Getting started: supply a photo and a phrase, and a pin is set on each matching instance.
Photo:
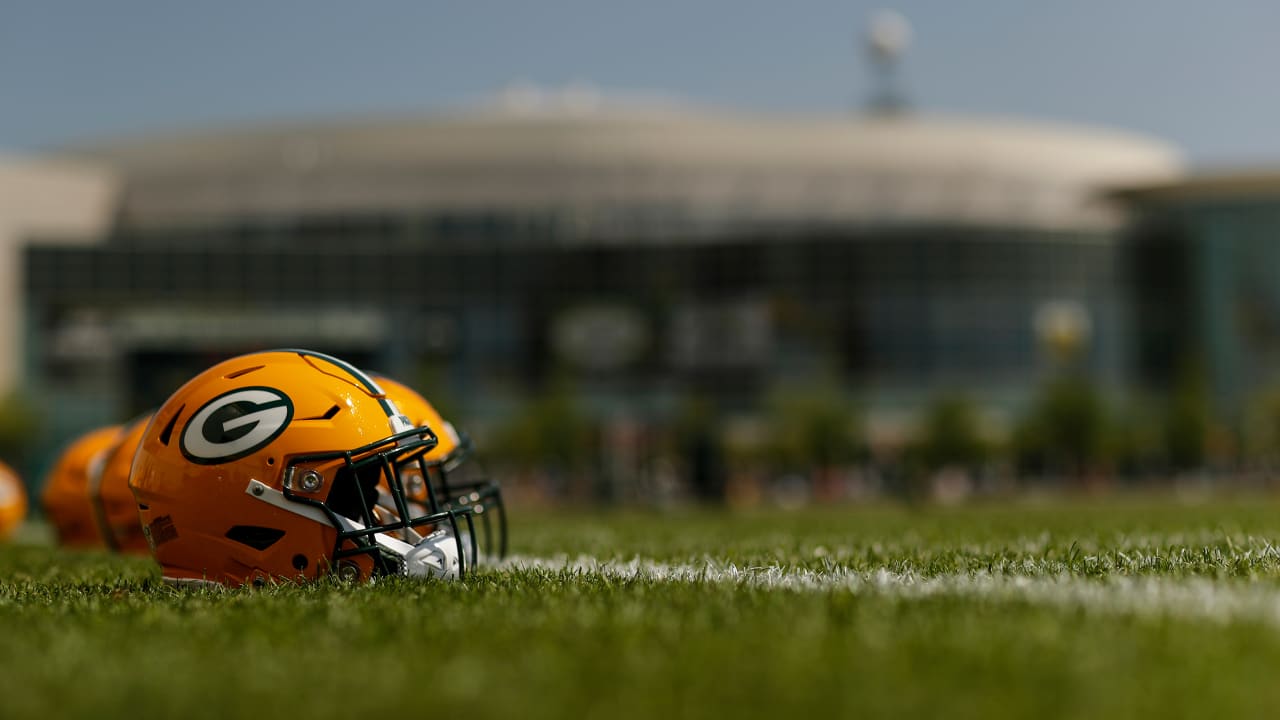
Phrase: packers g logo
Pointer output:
(235, 424)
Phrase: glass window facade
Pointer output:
(908, 308)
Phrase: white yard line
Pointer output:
(1197, 598)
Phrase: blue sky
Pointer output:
(1198, 74)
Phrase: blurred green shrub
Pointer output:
(1262, 429)
(1065, 431)
(547, 430)
(1187, 422)
(21, 425)
(951, 435)
(814, 425)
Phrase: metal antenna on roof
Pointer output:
(887, 38)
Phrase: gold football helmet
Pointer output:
(13, 502)
(114, 509)
(442, 479)
(268, 466)
(66, 489)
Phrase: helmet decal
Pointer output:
(235, 424)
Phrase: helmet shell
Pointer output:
(65, 496)
(116, 512)
(235, 430)
(13, 502)
(421, 412)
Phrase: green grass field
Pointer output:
(1125, 608)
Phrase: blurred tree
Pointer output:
(550, 434)
(1134, 440)
(814, 425)
(815, 431)
(951, 434)
(1262, 430)
(21, 422)
(1187, 421)
(432, 380)
(1065, 431)
(701, 449)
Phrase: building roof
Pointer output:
(590, 162)
(1207, 186)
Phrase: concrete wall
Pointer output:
(43, 200)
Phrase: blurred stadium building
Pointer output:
(1206, 284)
(640, 251)
(42, 199)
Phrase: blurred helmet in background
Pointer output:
(114, 508)
(65, 496)
(442, 479)
(267, 467)
(13, 502)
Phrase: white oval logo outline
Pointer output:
(276, 410)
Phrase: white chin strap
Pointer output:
(436, 555)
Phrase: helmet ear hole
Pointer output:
(355, 492)
(300, 562)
